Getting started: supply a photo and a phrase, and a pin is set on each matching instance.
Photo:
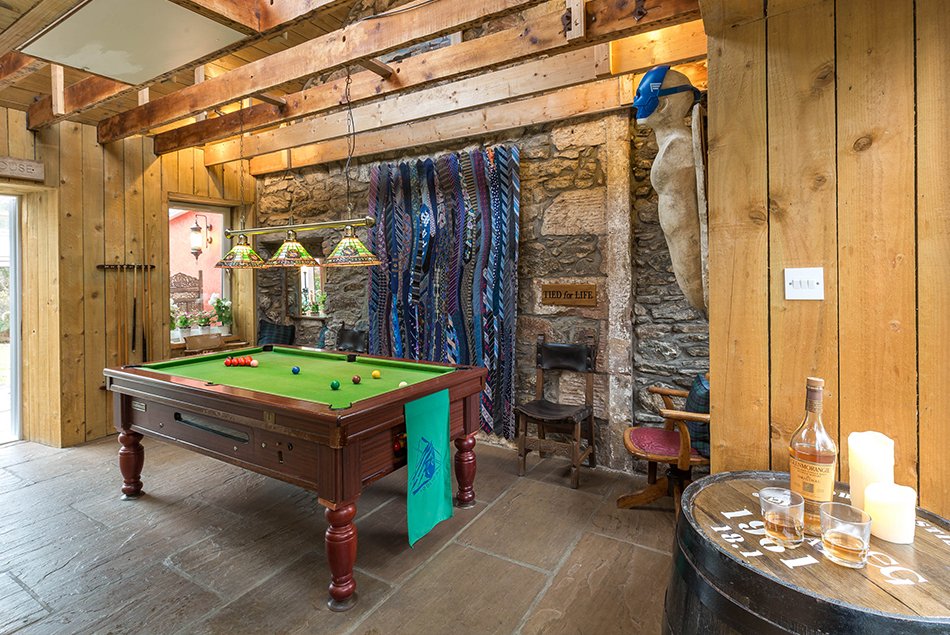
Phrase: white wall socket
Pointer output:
(805, 283)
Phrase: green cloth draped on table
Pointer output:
(430, 480)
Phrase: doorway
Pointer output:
(10, 428)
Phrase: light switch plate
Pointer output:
(805, 283)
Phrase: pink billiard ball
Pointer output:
(254, 363)
(356, 379)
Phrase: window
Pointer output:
(312, 296)
(195, 244)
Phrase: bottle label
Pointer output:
(814, 481)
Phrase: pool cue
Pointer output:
(135, 301)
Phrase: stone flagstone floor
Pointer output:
(213, 548)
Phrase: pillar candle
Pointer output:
(870, 460)
(893, 512)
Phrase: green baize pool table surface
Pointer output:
(317, 369)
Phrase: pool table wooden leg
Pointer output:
(465, 471)
(341, 556)
(131, 460)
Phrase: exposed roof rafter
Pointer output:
(466, 57)
(360, 41)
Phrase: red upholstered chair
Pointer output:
(572, 419)
(670, 445)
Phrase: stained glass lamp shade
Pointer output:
(292, 254)
(241, 256)
(351, 252)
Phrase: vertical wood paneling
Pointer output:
(801, 51)
(216, 181)
(4, 148)
(71, 294)
(156, 221)
(94, 292)
(876, 160)
(201, 172)
(738, 243)
(134, 223)
(32, 411)
(186, 171)
(113, 157)
(933, 251)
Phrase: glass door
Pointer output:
(9, 321)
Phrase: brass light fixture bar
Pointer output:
(368, 221)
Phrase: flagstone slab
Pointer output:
(557, 471)
(614, 582)
(17, 606)
(528, 514)
(650, 525)
(449, 595)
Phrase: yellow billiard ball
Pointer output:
(376, 374)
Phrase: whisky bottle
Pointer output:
(812, 458)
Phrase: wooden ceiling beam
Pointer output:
(33, 21)
(241, 15)
(383, 70)
(282, 13)
(14, 67)
(517, 82)
(354, 43)
(598, 97)
(540, 35)
(79, 97)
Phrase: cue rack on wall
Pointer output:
(127, 334)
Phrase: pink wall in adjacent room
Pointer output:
(182, 261)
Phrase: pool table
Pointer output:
(294, 427)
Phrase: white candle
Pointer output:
(893, 512)
(870, 460)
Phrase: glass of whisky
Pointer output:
(784, 514)
(845, 534)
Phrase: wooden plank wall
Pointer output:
(855, 180)
(98, 206)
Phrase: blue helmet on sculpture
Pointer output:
(651, 89)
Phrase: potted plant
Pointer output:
(184, 323)
(203, 320)
(175, 332)
(320, 302)
(222, 312)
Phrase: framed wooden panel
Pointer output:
(738, 249)
(877, 281)
(802, 216)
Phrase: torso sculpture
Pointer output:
(674, 175)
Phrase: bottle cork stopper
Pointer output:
(815, 382)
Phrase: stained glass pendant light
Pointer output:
(292, 254)
(350, 252)
(241, 256)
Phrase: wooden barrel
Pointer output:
(728, 577)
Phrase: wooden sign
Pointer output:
(22, 169)
(569, 294)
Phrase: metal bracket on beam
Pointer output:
(574, 20)
(377, 67)
(639, 12)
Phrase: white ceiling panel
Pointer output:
(131, 41)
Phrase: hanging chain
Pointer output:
(241, 167)
(350, 141)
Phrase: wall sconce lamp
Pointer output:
(200, 236)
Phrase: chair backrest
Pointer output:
(580, 358)
(352, 339)
(270, 333)
(185, 291)
(206, 342)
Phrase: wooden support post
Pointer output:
(143, 96)
(602, 60)
(200, 77)
(377, 67)
(455, 38)
(59, 89)
(578, 19)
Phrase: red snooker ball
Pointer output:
(227, 362)
(356, 379)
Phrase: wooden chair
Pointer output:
(556, 417)
(196, 344)
(670, 445)
(351, 340)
